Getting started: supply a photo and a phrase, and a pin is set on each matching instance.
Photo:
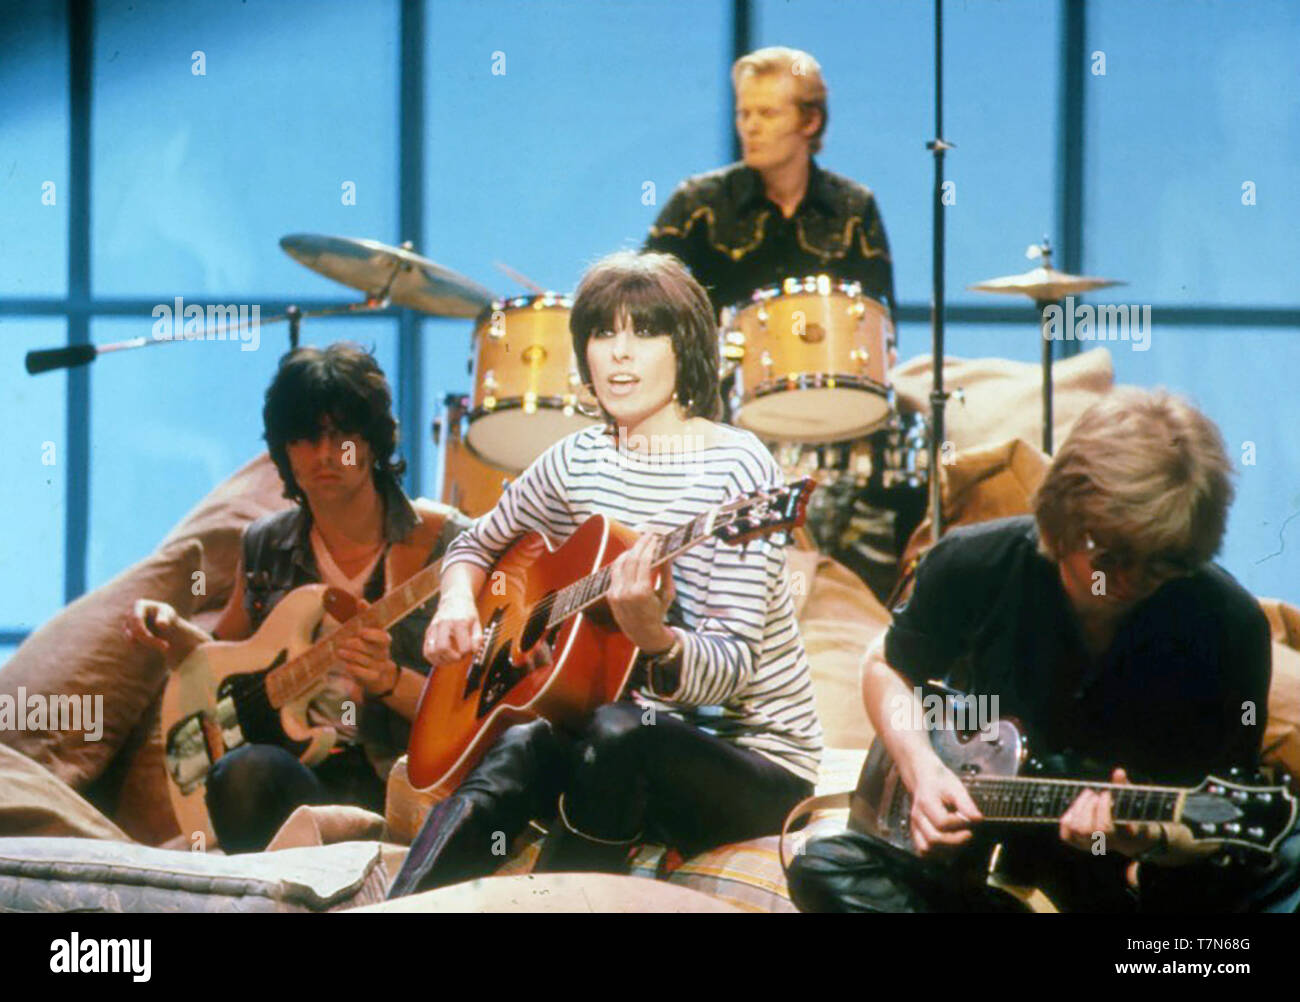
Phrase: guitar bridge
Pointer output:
(478, 666)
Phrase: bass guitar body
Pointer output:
(216, 700)
(524, 668)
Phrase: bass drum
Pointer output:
(468, 483)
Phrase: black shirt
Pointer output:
(735, 240)
(1166, 701)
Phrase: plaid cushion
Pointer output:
(745, 874)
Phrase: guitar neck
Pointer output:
(591, 589)
(294, 678)
(1024, 799)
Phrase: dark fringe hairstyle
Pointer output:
(656, 293)
(342, 383)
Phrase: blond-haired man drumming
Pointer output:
(777, 214)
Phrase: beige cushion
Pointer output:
(838, 619)
(35, 802)
(82, 650)
(218, 521)
(135, 785)
(1282, 735)
(556, 893)
(1283, 620)
(1003, 399)
(982, 483)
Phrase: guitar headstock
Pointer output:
(761, 512)
(1252, 817)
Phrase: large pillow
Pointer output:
(838, 619)
(82, 651)
(1282, 735)
(1003, 399)
(133, 789)
(34, 802)
(1283, 620)
(982, 484)
(218, 521)
(64, 875)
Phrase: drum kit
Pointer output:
(805, 366)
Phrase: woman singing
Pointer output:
(733, 741)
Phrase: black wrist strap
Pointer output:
(397, 677)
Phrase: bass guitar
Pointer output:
(550, 645)
(229, 693)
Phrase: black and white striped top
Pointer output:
(744, 672)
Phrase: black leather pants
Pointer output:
(851, 872)
(624, 779)
(253, 790)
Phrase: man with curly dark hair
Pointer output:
(332, 435)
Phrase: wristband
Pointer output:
(397, 677)
(664, 664)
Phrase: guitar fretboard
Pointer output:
(582, 593)
(295, 678)
(1045, 800)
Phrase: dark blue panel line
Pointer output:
(76, 518)
(742, 40)
(1072, 62)
(410, 193)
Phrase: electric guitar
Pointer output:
(229, 693)
(1218, 811)
(550, 645)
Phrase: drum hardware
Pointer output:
(523, 280)
(1045, 286)
(69, 357)
(387, 273)
(468, 483)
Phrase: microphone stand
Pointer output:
(938, 396)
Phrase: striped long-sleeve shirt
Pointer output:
(744, 674)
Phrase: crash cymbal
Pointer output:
(1044, 285)
(397, 274)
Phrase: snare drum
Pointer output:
(527, 394)
(812, 361)
(468, 483)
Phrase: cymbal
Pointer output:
(395, 273)
(1044, 285)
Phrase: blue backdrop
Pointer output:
(543, 164)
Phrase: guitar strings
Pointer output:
(249, 692)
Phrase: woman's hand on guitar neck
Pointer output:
(942, 808)
(638, 608)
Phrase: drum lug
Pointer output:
(530, 402)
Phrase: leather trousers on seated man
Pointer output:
(619, 783)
